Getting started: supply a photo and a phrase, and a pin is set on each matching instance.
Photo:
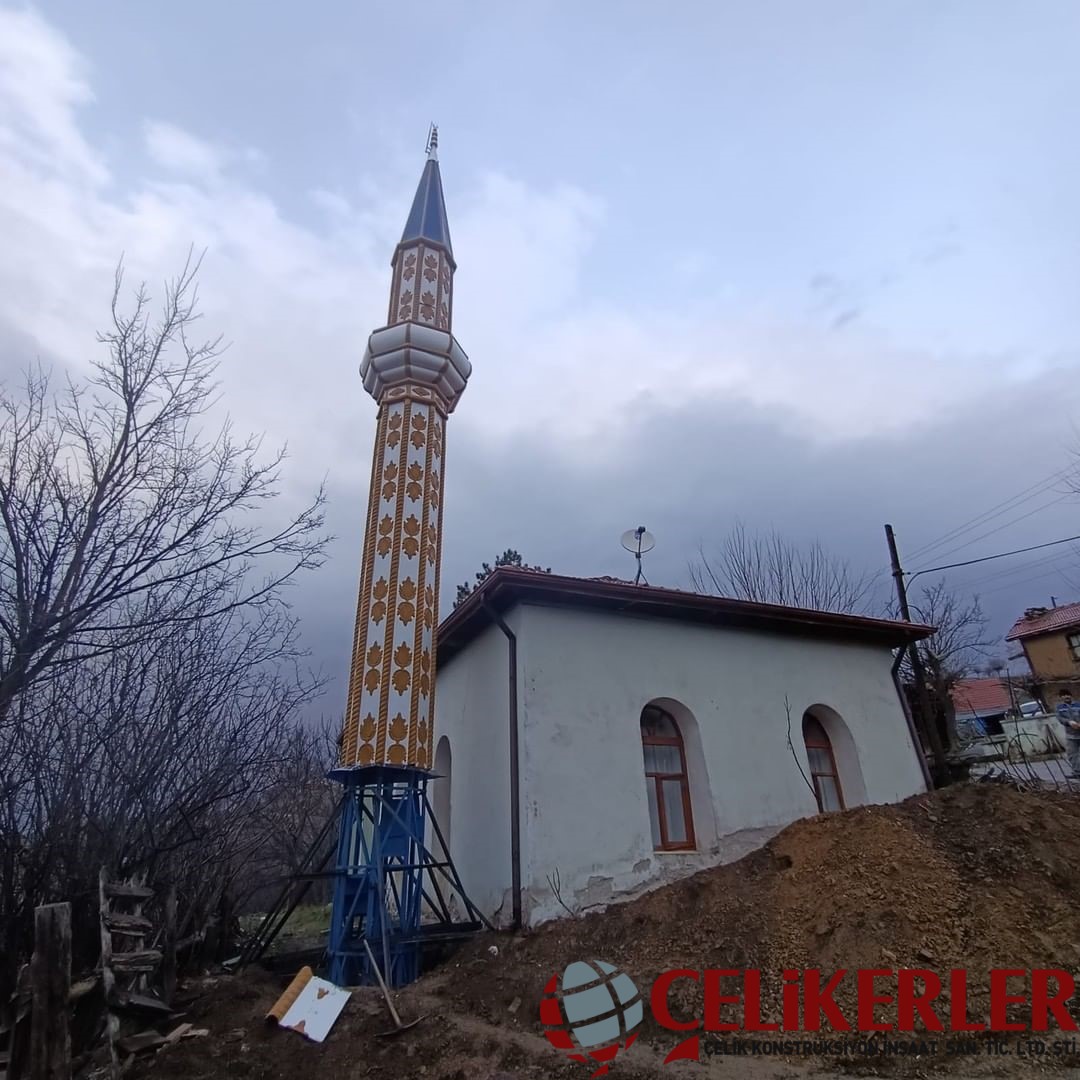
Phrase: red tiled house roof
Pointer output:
(981, 696)
(1059, 618)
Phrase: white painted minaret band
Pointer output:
(416, 372)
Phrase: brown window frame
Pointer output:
(657, 779)
(1073, 641)
(835, 774)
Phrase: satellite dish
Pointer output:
(638, 541)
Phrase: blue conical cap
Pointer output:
(427, 218)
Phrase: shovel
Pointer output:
(399, 1027)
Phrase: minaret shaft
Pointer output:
(390, 707)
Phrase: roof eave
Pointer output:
(506, 586)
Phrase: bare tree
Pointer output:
(151, 679)
(117, 513)
(165, 757)
(768, 568)
(959, 641)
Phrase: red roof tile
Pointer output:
(980, 696)
(1058, 618)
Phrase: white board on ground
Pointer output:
(316, 1009)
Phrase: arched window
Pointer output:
(823, 771)
(665, 777)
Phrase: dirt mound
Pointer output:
(976, 877)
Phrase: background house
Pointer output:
(1050, 638)
(657, 732)
(982, 704)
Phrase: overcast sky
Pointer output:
(813, 265)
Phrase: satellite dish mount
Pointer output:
(638, 541)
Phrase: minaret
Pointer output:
(389, 886)
(416, 372)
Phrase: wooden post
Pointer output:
(108, 982)
(168, 967)
(50, 1037)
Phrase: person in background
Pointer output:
(1068, 712)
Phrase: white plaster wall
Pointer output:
(471, 708)
(584, 678)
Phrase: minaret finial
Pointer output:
(433, 143)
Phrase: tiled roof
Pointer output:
(981, 696)
(1058, 618)
(509, 585)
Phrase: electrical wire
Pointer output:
(1031, 492)
(989, 558)
(999, 528)
(1059, 558)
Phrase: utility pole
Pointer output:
(929, 721)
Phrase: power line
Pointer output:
(999, 528)
(988, 558)
(1058, 558)
(1025, 495)
(1054, 571)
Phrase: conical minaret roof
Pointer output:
(427, 218)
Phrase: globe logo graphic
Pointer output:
(590, 1011)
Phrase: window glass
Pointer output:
(663, 759)
(673, 811)
(656, 724)
(654, 816)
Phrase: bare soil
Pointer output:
(976, 877)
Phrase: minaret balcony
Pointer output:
(407, 353)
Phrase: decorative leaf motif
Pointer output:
(372, 680)
(391, 471)
(367, 728)
(374, 655)
(407, 590)
(418, 438)
(403, 655)
(367, 754)
(378, 612)
(386, 526)
(425, 660)
(401, 680)
(380, 589)
(425, 684)
(410, 547)
(427, 306)
(383, 546)
(419, 420)
(396, 754)
(398, 728)
(405, 612)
